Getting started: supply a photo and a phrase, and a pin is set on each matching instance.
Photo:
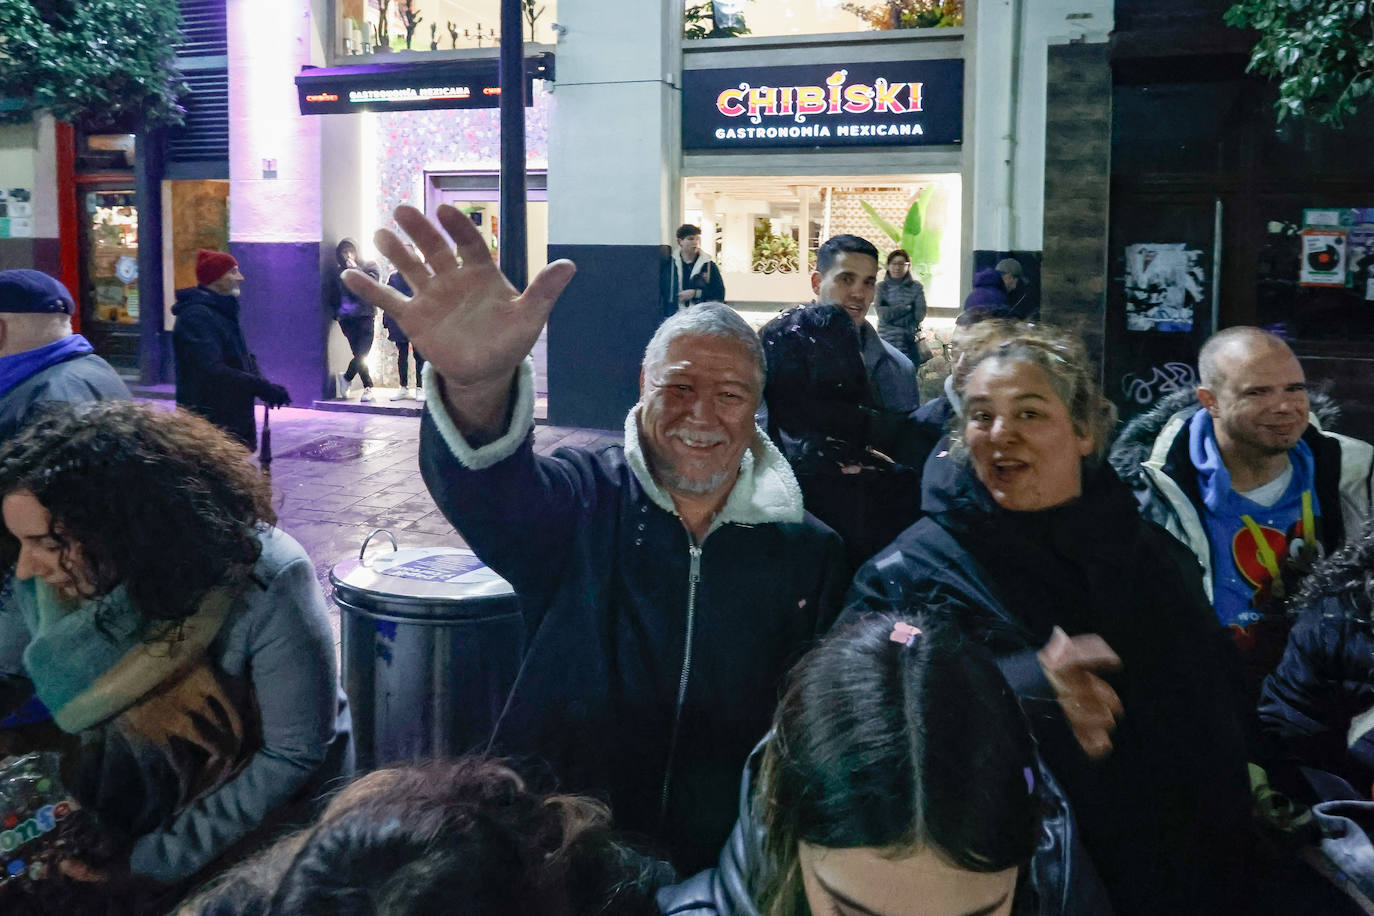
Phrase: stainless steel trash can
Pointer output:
(432, 641)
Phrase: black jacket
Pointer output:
(216, 375)
(1059, 881)
(1315, 708)
(1164, 816)
(653, 666)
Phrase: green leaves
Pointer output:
(1320, 51)
(920, 240)
(91, 60)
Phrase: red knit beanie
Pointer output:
(211, 265)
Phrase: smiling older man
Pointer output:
(667, 585)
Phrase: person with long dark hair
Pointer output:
(1097, 617)
(465, 837)
(164, 621)
(899, 778)
(357, 320)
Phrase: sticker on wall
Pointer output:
(1164, 284)
(126, 269)
(1323, 257)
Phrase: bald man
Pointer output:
(1245, 475)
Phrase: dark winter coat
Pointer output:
(216, 375)
(901, 307)
(348, 307)
(84, 377)
(1059, 881)
(1317, 708)
(653, 664)
(1151, 454)
(1164, 816)
(824, 406)
(989, 295)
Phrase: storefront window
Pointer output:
(737, 18)
(380, 26)
(112, 255)
(764, 231)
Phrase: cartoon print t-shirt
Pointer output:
(1263, 541)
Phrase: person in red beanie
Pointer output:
(217, 377)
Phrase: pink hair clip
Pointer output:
(904, 633)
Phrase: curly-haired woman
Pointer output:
(164, 621)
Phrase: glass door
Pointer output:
(110, 305)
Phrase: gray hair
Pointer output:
(709, 319)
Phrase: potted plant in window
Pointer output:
(383, 30)
(411, 19)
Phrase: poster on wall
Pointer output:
(1323, 257)
(1164, 285)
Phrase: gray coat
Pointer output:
(78, 380)
(901, 306)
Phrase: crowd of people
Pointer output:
(800, 646)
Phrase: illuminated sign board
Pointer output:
(894, 103)
(471, 83)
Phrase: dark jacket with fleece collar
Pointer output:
(1165, 814)
(653, 664)
(216, 375)
(1059, 881)
(1151, 454)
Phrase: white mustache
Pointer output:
(698, 439)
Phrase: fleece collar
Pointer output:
(703, 258)
(765, 492)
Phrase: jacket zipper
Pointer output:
(694, 552)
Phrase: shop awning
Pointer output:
(412, 85)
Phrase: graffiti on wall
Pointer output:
(1163, 381)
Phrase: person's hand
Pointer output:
(472, 325)
(275, 395)
(687, 295)
(1089, 703)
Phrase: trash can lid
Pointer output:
(418, 575)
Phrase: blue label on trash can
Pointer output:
(440, 568)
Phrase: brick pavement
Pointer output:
(338, 476)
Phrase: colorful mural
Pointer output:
(411, 143)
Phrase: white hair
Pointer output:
(710, 319)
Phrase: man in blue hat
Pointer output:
(41, 360)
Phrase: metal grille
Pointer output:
(205, 135)
(203, 23)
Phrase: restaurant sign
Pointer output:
(893, 103)
(411, 86)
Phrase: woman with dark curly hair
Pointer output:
(1318, 706)
(465, 837)
(163, 620)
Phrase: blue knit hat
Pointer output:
(34, 292)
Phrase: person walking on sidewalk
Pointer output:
(217, 377)
(397, 281)
(357, 319)
(667, 584)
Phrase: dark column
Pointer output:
(514, 258)
(148, 185)
(1078, 138)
